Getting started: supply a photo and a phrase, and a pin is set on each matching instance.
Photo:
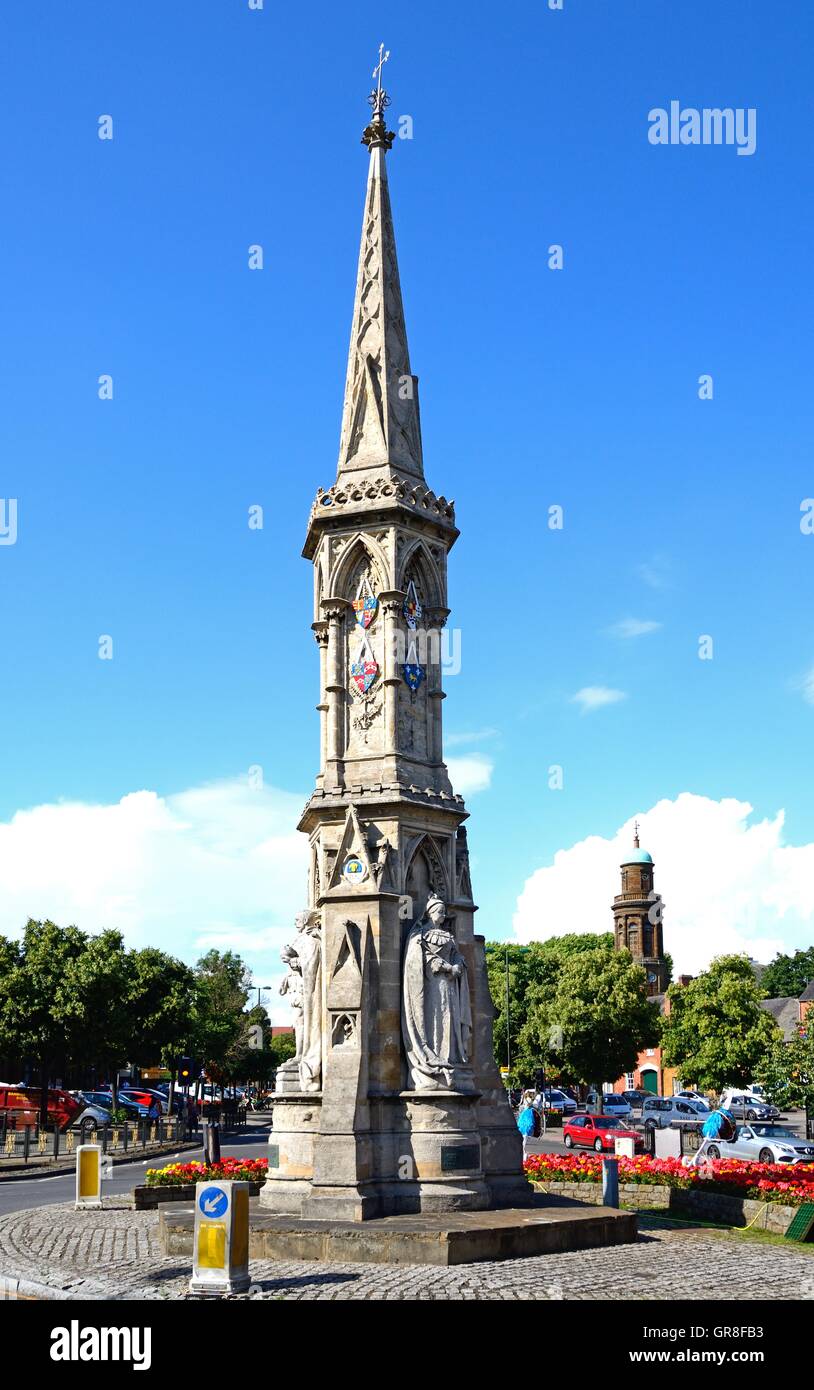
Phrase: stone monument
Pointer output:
(394, 1103)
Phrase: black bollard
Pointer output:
(212, 1143)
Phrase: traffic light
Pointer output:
(185, 1069)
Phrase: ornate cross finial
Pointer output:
(635, 834)
(377, 71)
(377, 134)
(378, 97)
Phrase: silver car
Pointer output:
(746, 1107)
(660, 1112)
(764, 1143)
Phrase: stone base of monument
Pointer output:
(451, 1238)
(420, 1153)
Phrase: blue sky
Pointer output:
(576, 387)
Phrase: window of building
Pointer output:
(630, 1081)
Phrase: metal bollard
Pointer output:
(610, 1182)
(212, 1143)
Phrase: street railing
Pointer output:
(31, 1142)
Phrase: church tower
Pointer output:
(394, 1122)
(637, 917)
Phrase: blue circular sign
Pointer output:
(213, 1201)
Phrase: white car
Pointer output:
(559, 1102)
(764, 1143)
(693, 1095)
(616, 1105)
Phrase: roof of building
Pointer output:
(785, 1013)
(808, 992)
(638, 856)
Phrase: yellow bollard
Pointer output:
(88, 1176)
(220, 1251)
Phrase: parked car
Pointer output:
(693, 1095)
(658, 1112)
(744, 1106)
(608, 1103)
(104, 1099)
(559, 1102)
(636, 1099)
(597, 1132)
(618, 1105)
(764, 1143)
(145, 1097)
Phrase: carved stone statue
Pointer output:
(303, 986)
(436, 1013)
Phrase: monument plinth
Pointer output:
(393, 1104)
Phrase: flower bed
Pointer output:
(228, 1170)
(790, 1184)
(176, 1182)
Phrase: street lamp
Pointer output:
(261, 989)
(522, 950)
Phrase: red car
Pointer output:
(598, 1132)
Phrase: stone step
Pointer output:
(448, 1239)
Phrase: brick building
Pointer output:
(638, 927)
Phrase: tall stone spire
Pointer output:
(380, 419)
(388, 853)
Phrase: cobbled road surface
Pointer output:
(115, 1253)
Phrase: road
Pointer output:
(20, 1194)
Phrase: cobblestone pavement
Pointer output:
(115, 1253)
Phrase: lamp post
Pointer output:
(261, 989)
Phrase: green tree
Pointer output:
(36, 1006)
(590, 1019)
(93, 1004)
(281, 1048)
(528, 966)
(787, 1072)
(787, 976)
(222, 984)
(716, 1032)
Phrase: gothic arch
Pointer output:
(417, 563)
(426, 873)
(361, 551)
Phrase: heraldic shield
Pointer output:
(365, 605)
(413, 672)
(364, 669)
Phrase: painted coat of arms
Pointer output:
(365, 605)
(413, 672)
(412, 607)
(364, 669)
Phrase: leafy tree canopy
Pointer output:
(787, 1072)
(788, 976)
(716, 1032)
(535, 964)
(590, 1020)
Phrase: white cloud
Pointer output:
(477, 736)
(655, 572)
(592, 697)
(728, 883)
(633, 627)
(806, 685)
(470, 773)
(219, 865)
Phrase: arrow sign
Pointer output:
(213, 1201)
